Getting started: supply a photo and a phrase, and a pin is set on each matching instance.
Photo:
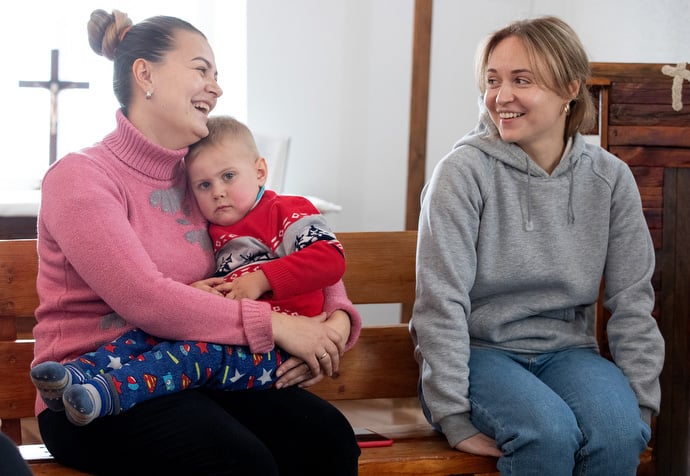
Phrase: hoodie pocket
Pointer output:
(566, 315)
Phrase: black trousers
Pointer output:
(195, 432)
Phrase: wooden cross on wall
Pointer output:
(54, 86)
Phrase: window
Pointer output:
(86, 115)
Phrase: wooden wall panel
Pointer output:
(638, 90)
(673, 438)
(660, 136)
(640, 125)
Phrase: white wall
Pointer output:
(334, 75)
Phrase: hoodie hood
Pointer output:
(486, 138)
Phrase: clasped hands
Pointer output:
(314, 343)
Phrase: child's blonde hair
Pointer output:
(220, 128)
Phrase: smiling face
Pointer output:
(225, 178)
(525, 111)
(184, 91)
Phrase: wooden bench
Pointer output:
(376, 386)
(379, 368)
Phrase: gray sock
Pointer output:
(82, 403)
(51, 379)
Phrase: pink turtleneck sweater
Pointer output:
(119, 240)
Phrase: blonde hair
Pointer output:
(557, 58)
(220, 128)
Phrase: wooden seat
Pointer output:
(376, 383)
(381, 366)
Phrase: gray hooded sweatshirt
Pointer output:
(510, 257)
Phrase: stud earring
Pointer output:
(566, 109)
(149, 94)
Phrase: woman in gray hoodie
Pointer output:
(519, 224)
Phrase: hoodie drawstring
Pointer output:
(571, 210)
(529, 226)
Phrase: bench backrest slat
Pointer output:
(381, 270)
(18, 301)
(17, 393)
(380, 266)
(380, 365)
(18, 268)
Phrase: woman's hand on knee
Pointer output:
(479, 444)
(318, 345)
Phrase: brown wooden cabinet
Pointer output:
(641, 122)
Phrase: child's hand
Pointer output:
(248, 286)
(340, 321)
(210, 285)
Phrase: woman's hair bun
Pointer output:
(107, 30)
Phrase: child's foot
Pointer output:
(82, 403)
(51, 379)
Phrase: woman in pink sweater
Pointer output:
(120, 237)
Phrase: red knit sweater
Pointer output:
(288, 227)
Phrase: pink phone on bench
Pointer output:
(367, 438)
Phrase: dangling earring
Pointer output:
(149, 94)
(566, 109)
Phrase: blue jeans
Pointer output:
(565, 413)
